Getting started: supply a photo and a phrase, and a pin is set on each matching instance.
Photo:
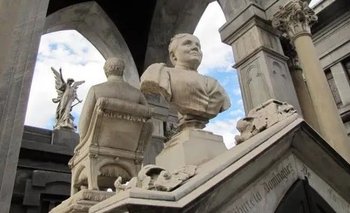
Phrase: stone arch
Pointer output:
(230, 7)
(302, 196)
(90, 20)
(170, 18)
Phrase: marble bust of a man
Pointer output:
(114, 87)
(196, 97)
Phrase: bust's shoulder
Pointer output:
(156, 66)
(154, 73)
(98, 86)
(211, 79)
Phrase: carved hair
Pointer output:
(114, 66)
(174, 43)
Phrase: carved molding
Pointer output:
(294, 19)
(152, 177)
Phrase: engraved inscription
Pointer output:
(278, 178)
(250, 202)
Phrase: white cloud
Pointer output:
(77, 58)
(237, 91)
(216, 55)
(225, 128)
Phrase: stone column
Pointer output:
(307, 107)
(262, 67)
(294, 19)
(342, 83)
(21, 26)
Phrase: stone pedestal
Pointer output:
(82, 201)
(190, 147)
(65, 137)
(273, 172)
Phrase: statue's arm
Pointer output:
(86, 113)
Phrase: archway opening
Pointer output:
(79, 60)
(217, 62)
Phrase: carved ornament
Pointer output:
(263, 117)
(152, 177)
(294, 19)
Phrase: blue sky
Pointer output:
(79, 60)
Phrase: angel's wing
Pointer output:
(59, 84)
(77, 83)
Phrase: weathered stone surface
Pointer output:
(45, 182)
(259, 57)
(115, 127)
(190, 147)
(66, 95)
(43, 177)
(65, 137)
(152, 177)
(252, 177)
(21, 27)
(197, 97)
(262, 118)
(331, 40)
(82, 201)
(295, 19)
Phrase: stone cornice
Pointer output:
(294, 19)
(233, 28)
(262, 48)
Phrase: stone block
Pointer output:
(65, 137)
(190, 147)
(153, 148)
(82, 201)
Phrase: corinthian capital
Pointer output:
(294, 19)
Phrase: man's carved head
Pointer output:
(185, 50)
(114, 66)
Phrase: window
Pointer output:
(333, 88)
(346, 65)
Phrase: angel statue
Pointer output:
(66, 95)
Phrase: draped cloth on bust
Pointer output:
(192, 93)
